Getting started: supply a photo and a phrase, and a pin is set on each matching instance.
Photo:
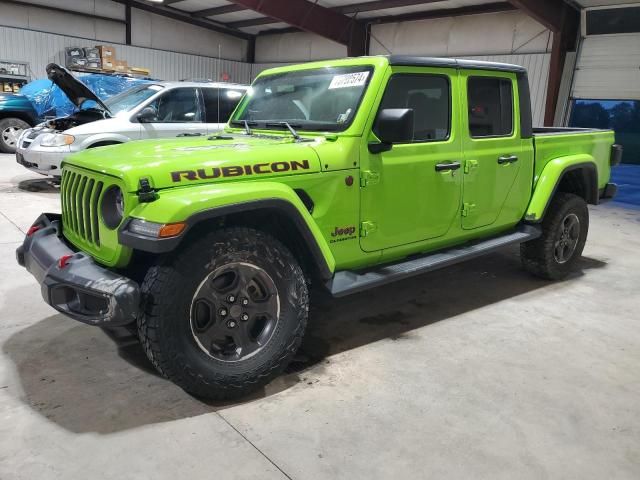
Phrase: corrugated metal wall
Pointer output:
(536, 63)
(40, 48)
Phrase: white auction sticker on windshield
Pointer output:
(347, 80)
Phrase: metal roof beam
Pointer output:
(185, 17)
(550, 13)
(313, 18)
(212, 12)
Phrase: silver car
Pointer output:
(153, 110)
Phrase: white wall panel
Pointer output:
(296, 47)
(39, 49)
(155, 31)
(38, 18)
(609, 68)
(148, 30)
(487, 34)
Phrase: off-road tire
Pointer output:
(538, 255)
(6, 123)
(165, 328)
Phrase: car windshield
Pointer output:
(125, 101)
(318, 99)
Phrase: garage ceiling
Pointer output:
(248, 21)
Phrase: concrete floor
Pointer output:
(477, 371)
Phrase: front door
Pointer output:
(492, 145)
(178, 113)
(412, 192)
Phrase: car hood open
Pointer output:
(73, 88)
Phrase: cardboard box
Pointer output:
(16, 88)
(6, 87)
(107, 52)
(109, 66)
(92, 54)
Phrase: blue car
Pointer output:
(16, 114)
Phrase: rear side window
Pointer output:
(490, 107)
(220, 103)
(429, 96)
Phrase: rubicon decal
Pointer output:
(239, 170)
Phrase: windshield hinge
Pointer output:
(367, 228)
(369, 178)
(146, 194)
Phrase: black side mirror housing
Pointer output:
(147, 115)
(393, 125)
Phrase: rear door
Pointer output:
(492, 144)
(219, 104)
(179, 112)
(412, 192)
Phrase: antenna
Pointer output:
(218, 78)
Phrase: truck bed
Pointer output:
(591, 145)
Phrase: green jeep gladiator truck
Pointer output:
(347, 174)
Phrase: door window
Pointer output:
(490, 107)
(220, 103)
(429, 96)
(179, 105)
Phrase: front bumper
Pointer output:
(43, 160)
(81, 289)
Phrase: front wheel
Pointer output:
(10, 131)
(564, 232)
(225, 315)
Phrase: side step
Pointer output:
(348, 282)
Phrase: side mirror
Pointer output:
(147, 115)
(393, 125)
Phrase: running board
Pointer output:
(348, 282)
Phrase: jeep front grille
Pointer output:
(80, 195)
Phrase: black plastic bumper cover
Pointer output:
(82, 289)
(608, 192)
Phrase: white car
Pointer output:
(153, 110)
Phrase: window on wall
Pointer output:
(430, 98)
(622, 116)
(608, 21)
(490, 107)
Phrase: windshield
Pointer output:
(319, 99)
(125, 101)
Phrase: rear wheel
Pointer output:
(226, 314)
(10, 131)
(564, 232)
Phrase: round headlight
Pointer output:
(112, 207)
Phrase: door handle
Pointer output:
(507, 159)
(443, 167)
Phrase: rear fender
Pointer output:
(196, 204)
(551, 177)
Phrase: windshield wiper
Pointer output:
(247, 128)
(284, 124)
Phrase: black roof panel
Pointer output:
(411, 61)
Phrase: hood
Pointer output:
(73, 88)
(187, 161)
